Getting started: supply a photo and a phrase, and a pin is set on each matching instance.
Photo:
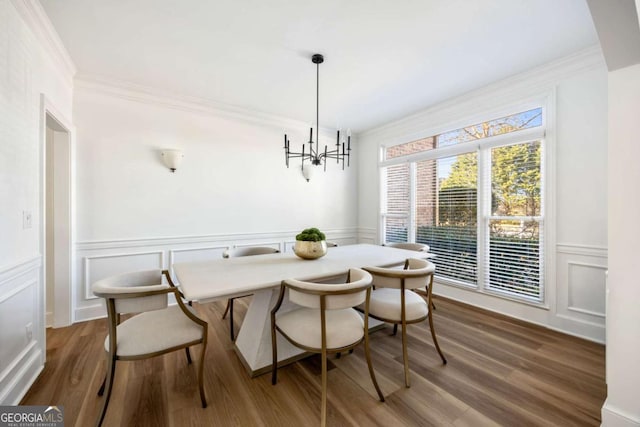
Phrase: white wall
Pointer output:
(232, 188)
(576, 290)
(622, 407)
(30, 65)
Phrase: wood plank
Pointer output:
(501, 371)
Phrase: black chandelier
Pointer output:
(315, 156)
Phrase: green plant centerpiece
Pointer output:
(310, 244)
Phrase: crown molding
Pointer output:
(38, 22)
(158, 97)
(537, 79)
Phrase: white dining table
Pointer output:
(261, 275)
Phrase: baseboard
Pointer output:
(21, 374)
(613, 417)
(92, 312)
(523, 312)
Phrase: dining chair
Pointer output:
(394, 301)
(325, 322)
(420, 247)
(239, 252)
(154, 330)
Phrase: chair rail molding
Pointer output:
(367, 235)
(580, 249)
(250, 238)
(10, 272)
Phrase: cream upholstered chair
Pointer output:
(394, 301)
(238, 252)
(156, 329)
(325, 322)
(420, 247)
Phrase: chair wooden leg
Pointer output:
(274, 355)
(395, 329)
(435, 340)
(323, 415)
(226, 309)
(233, 338)
(188, 355)
(104, 382)
(405, 356)
(367, 353)
(203, 398)
(111, 371)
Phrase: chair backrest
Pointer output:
(249, 251)
(420, 247)
(337, 296)
(415, 275)
(150, 293)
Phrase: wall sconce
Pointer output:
(172, 159)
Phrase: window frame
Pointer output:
(544, 133)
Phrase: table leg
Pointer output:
(253, 343)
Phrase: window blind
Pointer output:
(446, 214)
(515, 262)
(396, 217)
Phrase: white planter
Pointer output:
(310, 250)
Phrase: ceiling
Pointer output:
(383, 59)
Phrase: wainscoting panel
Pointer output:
(586, 288)
(195, 254)
(581, 285)
(21, 332)
(96, 260)
(288, 246)
(98, 267)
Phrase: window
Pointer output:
(474, 195)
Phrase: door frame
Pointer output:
(63, 290)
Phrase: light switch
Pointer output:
(26, 219)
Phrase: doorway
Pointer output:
(56, 213)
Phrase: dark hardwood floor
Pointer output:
(500, 372)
